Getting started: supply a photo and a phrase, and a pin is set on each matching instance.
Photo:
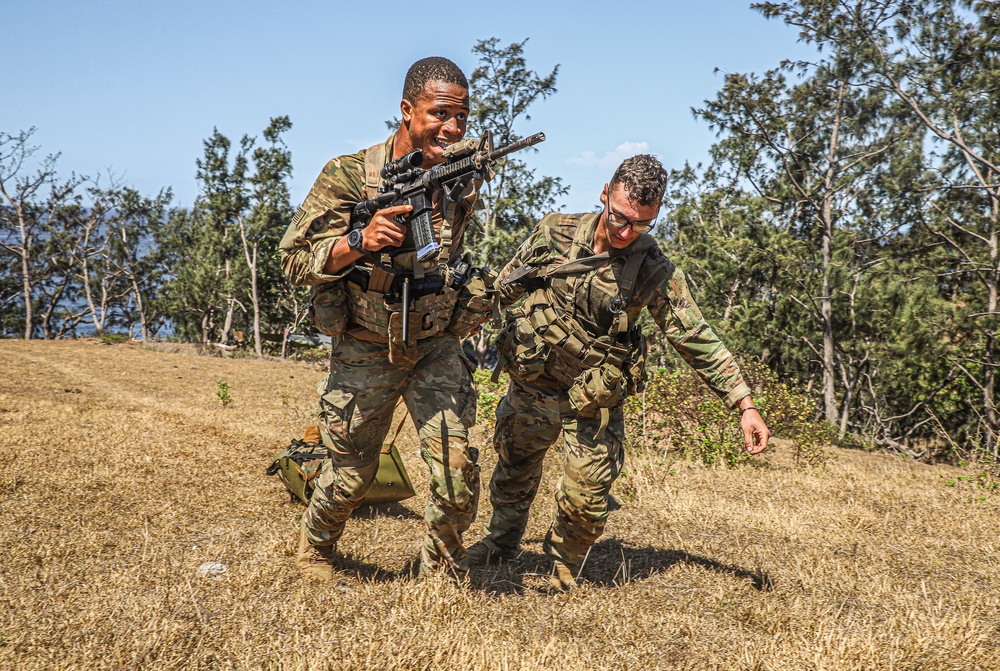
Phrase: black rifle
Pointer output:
(406, 183)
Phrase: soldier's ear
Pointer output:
(604, 195)
(406, 109)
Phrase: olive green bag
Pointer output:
(299, 464)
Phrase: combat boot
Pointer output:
(315, 561)
(484, 554)
(563, 576)
(458, 572)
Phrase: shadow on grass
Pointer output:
(610, 564)
(372, 510)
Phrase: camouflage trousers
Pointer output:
(529, 419)
(357, 404)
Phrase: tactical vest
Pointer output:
(597, 371)
(456, 299)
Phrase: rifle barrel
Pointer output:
(517, 146)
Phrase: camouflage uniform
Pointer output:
(537, 405)
(360, 394)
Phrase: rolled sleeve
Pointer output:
(322, 220)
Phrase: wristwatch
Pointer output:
(356, 241)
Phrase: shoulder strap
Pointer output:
(631, 271)
(635, 253)
(636, 250)
(375, 157)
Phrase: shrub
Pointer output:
(490, 393)
(679, 412)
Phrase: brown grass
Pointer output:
(121, 473)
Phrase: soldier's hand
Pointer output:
(383, 230)
(755, 431)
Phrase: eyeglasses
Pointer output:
(618, 221)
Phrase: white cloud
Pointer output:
(610, 159)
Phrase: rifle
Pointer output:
(406, 183)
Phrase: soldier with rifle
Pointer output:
(379, 241)
(574, 352)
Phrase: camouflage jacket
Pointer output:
(325, 217)
(661, 288)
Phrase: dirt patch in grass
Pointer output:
(122, 474)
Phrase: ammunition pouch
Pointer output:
(635, 371)
(328, 310)
(598, 373)
(430, 316)
(474, 304)
(595, 391)
(523, 354)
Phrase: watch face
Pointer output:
(355, 241)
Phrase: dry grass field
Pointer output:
(122, 473)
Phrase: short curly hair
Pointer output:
(643, 179)
(431, 69)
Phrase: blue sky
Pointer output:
(133, 88)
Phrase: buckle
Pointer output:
(617, 304)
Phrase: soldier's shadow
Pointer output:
(610, 564)
(358, 567)
(373, 510)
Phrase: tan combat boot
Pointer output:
(314, 561)
(481, 554)
(430, 565)
(563, 576)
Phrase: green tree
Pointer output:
(225, 270)
(816, 150)
(224, 197)
(97, 284)
(136, 263)
(939, 59)
(269, 210)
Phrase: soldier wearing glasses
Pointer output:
(574, 352)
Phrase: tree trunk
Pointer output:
(227, 324)
(989, 371)
(826, 300)
(50, 309)
(26, 288)
(284, 341)
(85, 277)
(256, 305)
(480, 346)
(140, 307)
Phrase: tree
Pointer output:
(220, 271)
(940, 60)
(269, 210)
(222, 200)
(134, 261)
(24, 214)
(945, 66)
(816, 151)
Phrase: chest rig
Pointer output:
(544, 337)
(404, 305)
